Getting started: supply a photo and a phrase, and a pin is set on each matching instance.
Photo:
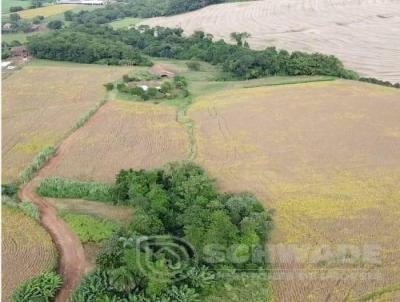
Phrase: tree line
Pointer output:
(137, 9)
(102, 44)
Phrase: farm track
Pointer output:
(72, 262)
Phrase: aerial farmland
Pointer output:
(35, 118)
(189, 151)
(328, 164)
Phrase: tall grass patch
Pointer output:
(67, 188)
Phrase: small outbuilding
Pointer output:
(159, 70)
(19, 51)
(7, 26)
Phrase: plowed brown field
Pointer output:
(364, 34)
(27, 250)
(326, 157)
(41, 103)
(123, 135)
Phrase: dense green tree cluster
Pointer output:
(81, 47)
(182, 233)
(137, 9)
(102, 44)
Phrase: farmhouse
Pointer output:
(160, 71)
(19, 51)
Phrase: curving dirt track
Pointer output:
(72, 264)
(363, 34)
(72, 259)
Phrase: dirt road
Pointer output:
(72, 261)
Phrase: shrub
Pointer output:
(55, 24)
(136, 91)
(109, 86)
(9, 189)
(14, 9)
(14, 17)
(38, 162)
(193, 65)
(180, 82)
(41, 288)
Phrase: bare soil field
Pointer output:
(41, 103)
(326, 157)
(27, 250)
(363, 34)
(122, 135)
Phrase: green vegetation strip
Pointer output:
(67, 188)
(89, 228)
(38, 162)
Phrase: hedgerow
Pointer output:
(67, 188)
(37, 163)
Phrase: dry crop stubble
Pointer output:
(325, 156)
(41, 103)
(363, 34)
(123, 135)
(27, 250)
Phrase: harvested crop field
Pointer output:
(122, 135)
(326, 157)
(363, 34)
(27, 250)
(46, 11)
(41, 103)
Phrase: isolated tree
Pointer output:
(37, 20)
(239, 38)
(109, 86)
